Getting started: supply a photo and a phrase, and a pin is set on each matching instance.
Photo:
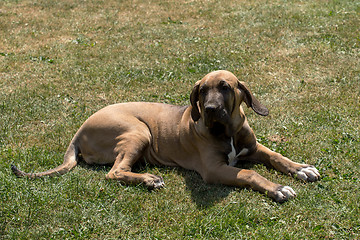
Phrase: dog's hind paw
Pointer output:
(159, 184)
(308, 174)
(283, 193)
(154, 182)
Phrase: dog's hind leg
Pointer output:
(130, 149)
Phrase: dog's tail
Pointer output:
(70, 161)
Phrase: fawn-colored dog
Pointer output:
(208, 136)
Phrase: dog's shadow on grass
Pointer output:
(93, 167)
(206, 195)
(203, 194)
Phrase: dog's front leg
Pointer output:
(237, 177)
(276, 160)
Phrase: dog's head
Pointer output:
(216, 100)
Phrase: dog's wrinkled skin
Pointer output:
(208, 136)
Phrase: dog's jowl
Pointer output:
(208, 136)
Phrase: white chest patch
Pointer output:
(232, 157)
(232, 154)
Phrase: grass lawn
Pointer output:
(61, 61)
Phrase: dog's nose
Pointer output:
(210, 109)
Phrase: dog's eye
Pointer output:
(225, 88)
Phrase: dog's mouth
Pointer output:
(217, 128)
(218, 124)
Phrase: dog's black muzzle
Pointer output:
(216, 119)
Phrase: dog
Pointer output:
(208, 136)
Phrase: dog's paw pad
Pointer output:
(284, 193)
(308, 174)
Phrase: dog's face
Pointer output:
(216, 100)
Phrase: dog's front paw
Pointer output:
(283, 193)
(308, 174)
(154, 182)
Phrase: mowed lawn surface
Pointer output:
(61, 61)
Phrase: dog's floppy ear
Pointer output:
(194, 98)
(251, 101)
